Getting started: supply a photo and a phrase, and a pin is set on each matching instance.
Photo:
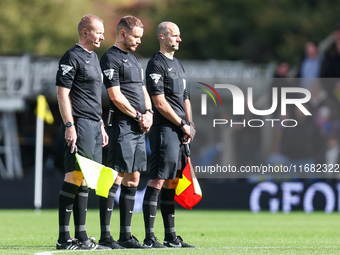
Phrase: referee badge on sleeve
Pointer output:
(109, 73)
(155, 77)
(65, 68)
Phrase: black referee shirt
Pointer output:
(122, 68)
(79, 71)
(166, 76)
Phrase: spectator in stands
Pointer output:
(325, 109)
(279, 82)
(310, 66)
(331, 64)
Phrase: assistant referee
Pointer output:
(79, 84)
(131, 118)
(171, 129)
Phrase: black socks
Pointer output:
(66, 199)
(79, 213)
(150, 210)
(126, 204)
(167, 205)
(105, 212)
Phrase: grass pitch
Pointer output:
(214, 232)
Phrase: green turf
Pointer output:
(214, 232)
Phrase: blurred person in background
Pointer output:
(79, 84)
(331, 63)
(310, 66)
(325, 109)
(280, 81)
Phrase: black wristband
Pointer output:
(150, 111)
(138, 116)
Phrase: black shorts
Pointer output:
(89, 143)
(127, 151)
(168, 157)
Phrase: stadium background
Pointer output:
(245, 36)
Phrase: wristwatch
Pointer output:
(138, 116)
(69, 124)
(150, 111)
(191, 123)
(183, 122)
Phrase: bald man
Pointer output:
(172, 129)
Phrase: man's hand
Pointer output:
(146, 122)
(71, 137)
(189, 134)
(104, 136)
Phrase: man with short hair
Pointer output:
(79, 84)
(172, 129)
(131, 118)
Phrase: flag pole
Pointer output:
(39, 155)
(38, 164)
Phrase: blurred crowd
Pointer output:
(316, 138)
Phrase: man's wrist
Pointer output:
(191, 123)
(183, 122)
(138, 117)
(149, 110)
(69, 124)
(102, 123)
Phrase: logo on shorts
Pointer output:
(65, 68)
(155, 77)
(109, 73)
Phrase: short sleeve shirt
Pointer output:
(79, 71)
(167, 76)
(122, 68)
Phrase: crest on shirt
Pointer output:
(65, 68)
(109, 73)
(155, 77)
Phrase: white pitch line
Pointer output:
(62, 251)
(208, 249)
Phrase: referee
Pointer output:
(131, 117)
(79, 97)
(170, 131)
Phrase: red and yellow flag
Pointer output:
(188, 191)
